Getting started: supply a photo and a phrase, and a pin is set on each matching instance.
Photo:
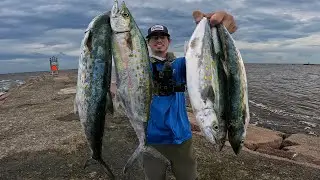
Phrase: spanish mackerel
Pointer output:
(201, 79)
(133, 73)
(93, 97)
(220, 88)
(238, 116)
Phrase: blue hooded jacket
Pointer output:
(169, 123)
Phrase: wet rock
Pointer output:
(3, 96)
(258, 138)
(307, 147)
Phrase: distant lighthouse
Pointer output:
(54, 66)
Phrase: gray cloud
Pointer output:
(269, 30)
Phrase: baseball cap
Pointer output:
(158, 29)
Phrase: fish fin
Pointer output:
(104, 165)
(133, 158)
(221, 145)
(208, 93)
(75, 107)
(155, 153)
(109, 105)
(106, 168)
(118, 105)
(142, 149)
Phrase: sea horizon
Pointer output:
(68, 69)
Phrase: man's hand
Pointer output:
(216, 18)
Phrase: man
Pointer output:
(168, 129)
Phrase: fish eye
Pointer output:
(124, 14)
(216, 127)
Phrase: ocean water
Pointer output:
(8, 81)
(5, 85)
(285, 97)
(282, 97)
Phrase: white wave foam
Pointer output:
(283, 112)
(309, 123)
(5, 85)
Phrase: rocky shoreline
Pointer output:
(41, 138)
(297, 147)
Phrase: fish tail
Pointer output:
(118, 106)
(75, 107)
(106, 168)
(133, 158)
(109, 105)
(104, 165)
(221, 146)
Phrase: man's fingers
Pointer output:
(227, 20)
(208, 15)
(197, 16)
(229, 23)
(217, 17)
(233, 28)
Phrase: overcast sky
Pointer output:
(270, 31)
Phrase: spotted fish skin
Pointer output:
(238, 116)
(133, 73)
(93, 97)
(200, 78)
(220, 88)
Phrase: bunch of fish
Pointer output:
(114, 36)
(216, 81)
(217, 85)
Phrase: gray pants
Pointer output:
(182, 161)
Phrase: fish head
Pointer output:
(236, 138)
(208, 123)
(121, 18)
(209, 134)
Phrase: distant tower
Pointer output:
(54, 66)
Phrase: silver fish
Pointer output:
(238, 116)
(133, 73)
(200, 80)
(93, 97)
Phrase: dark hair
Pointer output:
(148, 39)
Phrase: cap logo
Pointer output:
(157, 28)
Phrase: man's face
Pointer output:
(159, 43)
